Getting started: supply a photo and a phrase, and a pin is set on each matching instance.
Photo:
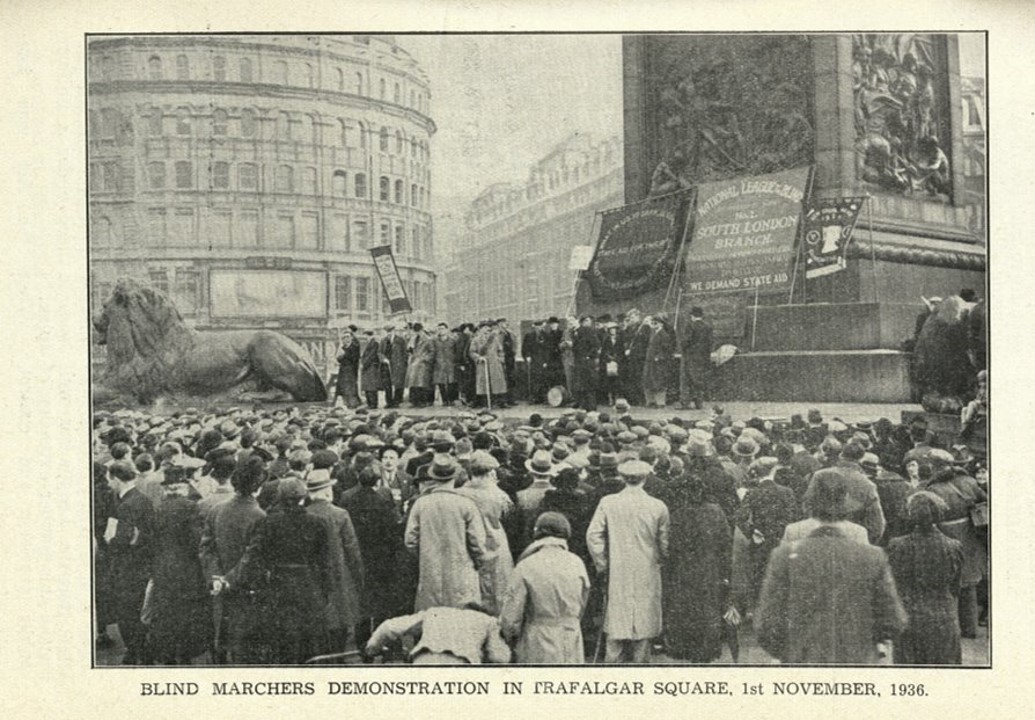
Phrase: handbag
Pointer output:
(979, 515)
(612, 368)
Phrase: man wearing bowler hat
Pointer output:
(696, 349)
(628, 540)
(446, 531)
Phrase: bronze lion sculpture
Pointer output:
(152, 354)
(948, 354)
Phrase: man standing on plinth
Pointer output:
(696, 349)
(628, 540)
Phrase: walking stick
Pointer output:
(488, 387)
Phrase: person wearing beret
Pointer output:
(628, 539)
(129, 535)
(446, 532)
(546, 597)
(181, 627)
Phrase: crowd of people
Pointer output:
(595, 361)
(283, 535)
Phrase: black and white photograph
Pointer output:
(538, 348)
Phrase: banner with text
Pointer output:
(744, 232)
(829, 223)
(637, 248)
(384, 261)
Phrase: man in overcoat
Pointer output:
(393, 363)
(586, 347)
(443, 372)
(346, 562)
(826, 598)
(535, 363)
(370, 369)
(696, 350)
(446, 531)
(628, 540)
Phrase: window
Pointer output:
(362, 234)
(399, 192)
(385, 189)
(248, 123)
(413, 99)
(245, 67)
(101, 233)
(183, 121)
(413, 147)
(156, 225)
(219, 68)
(280, 72)
(362, 294)
(339, 239)
(184, 175)
(185, 290)
(248, 229)
(362, 136)
(309, 181)
(181, 229)
(342, 292)
(384, 139)
(219, 228)
(182, 68)
(361, 185)
(284, 231)
(285, 179)
(248, 177)
(386, 234)
(359, 83)
(308, 129)
(416, 243)
(154, 123)
(109, 121)
(156, 175)
(159, 280)
(340, 75)
(338, 183)
(343, 133)
(154, 68)
(400, 241)
(381, 89)
(309, 238)
(221, 175)
(310, 75)
(413, 194)
(429, 251)
(283, 126)
(219, 122)
(420, 197)
(396, 95)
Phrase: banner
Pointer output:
(744, 232)
(384, 261)
(636, 251)
(581, 257)
(829, 223)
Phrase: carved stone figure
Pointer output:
(152, 353)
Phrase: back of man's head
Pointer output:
(827, 494)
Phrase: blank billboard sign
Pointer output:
(268, 293)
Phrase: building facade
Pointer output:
(248, 177)
(512, 256)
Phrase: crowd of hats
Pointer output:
(185, 441)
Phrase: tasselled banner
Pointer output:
(387, 270)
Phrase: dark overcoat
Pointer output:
(393, 349)
(370, 362)
(444, 362)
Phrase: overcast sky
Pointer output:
(501, 102)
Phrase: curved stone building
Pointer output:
(248, 176)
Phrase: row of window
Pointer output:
(352, 294)
(106, 177)
(282, 72)
(289, 127)
(340, 232)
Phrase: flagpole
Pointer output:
(873, 251)
(754, 321)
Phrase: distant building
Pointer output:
(248, 176)
(511, 258)
(972, 91)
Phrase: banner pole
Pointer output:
(677, 266)
(754, 320)
(873, 251)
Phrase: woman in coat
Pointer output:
(182, 623)
(418, 371)
(370, 373)
(546, 598)
(927, 568)
(657, 369)
(487, 354)
(696, 593)
(347, 386)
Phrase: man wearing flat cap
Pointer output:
(628, 539)
(546, 597)
(446, 531)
